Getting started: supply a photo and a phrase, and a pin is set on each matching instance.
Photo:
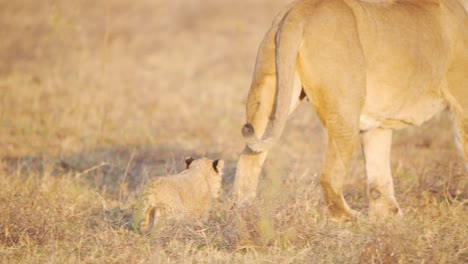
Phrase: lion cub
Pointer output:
(188, 193)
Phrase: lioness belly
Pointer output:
(410, 114)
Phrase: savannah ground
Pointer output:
(98, 96)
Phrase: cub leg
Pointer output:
(376, 144)
(148, 220)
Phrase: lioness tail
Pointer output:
(287, 41)
(255, 144)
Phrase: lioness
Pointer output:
(188, 193)
(367, 67)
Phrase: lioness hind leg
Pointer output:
(339, 110)
(341, 143)
(250, 163)
(247, 174)
(259, 107)
(376, 144)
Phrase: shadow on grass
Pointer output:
(116, 173)
(107, 168)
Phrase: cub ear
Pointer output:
(218, 166)
(188, 161)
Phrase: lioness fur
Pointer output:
(367, 67)
(188, 193)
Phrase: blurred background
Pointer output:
(90, 73)
(86, 82)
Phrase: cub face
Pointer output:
(212, 170)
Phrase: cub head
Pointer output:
(212, 171)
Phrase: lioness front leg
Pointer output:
(376, 144)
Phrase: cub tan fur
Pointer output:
(188, 193)
(367, 67)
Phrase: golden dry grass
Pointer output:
(97, 96)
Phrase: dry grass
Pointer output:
(98, 96)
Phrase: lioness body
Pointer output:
(367, 67)
(188, 193)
